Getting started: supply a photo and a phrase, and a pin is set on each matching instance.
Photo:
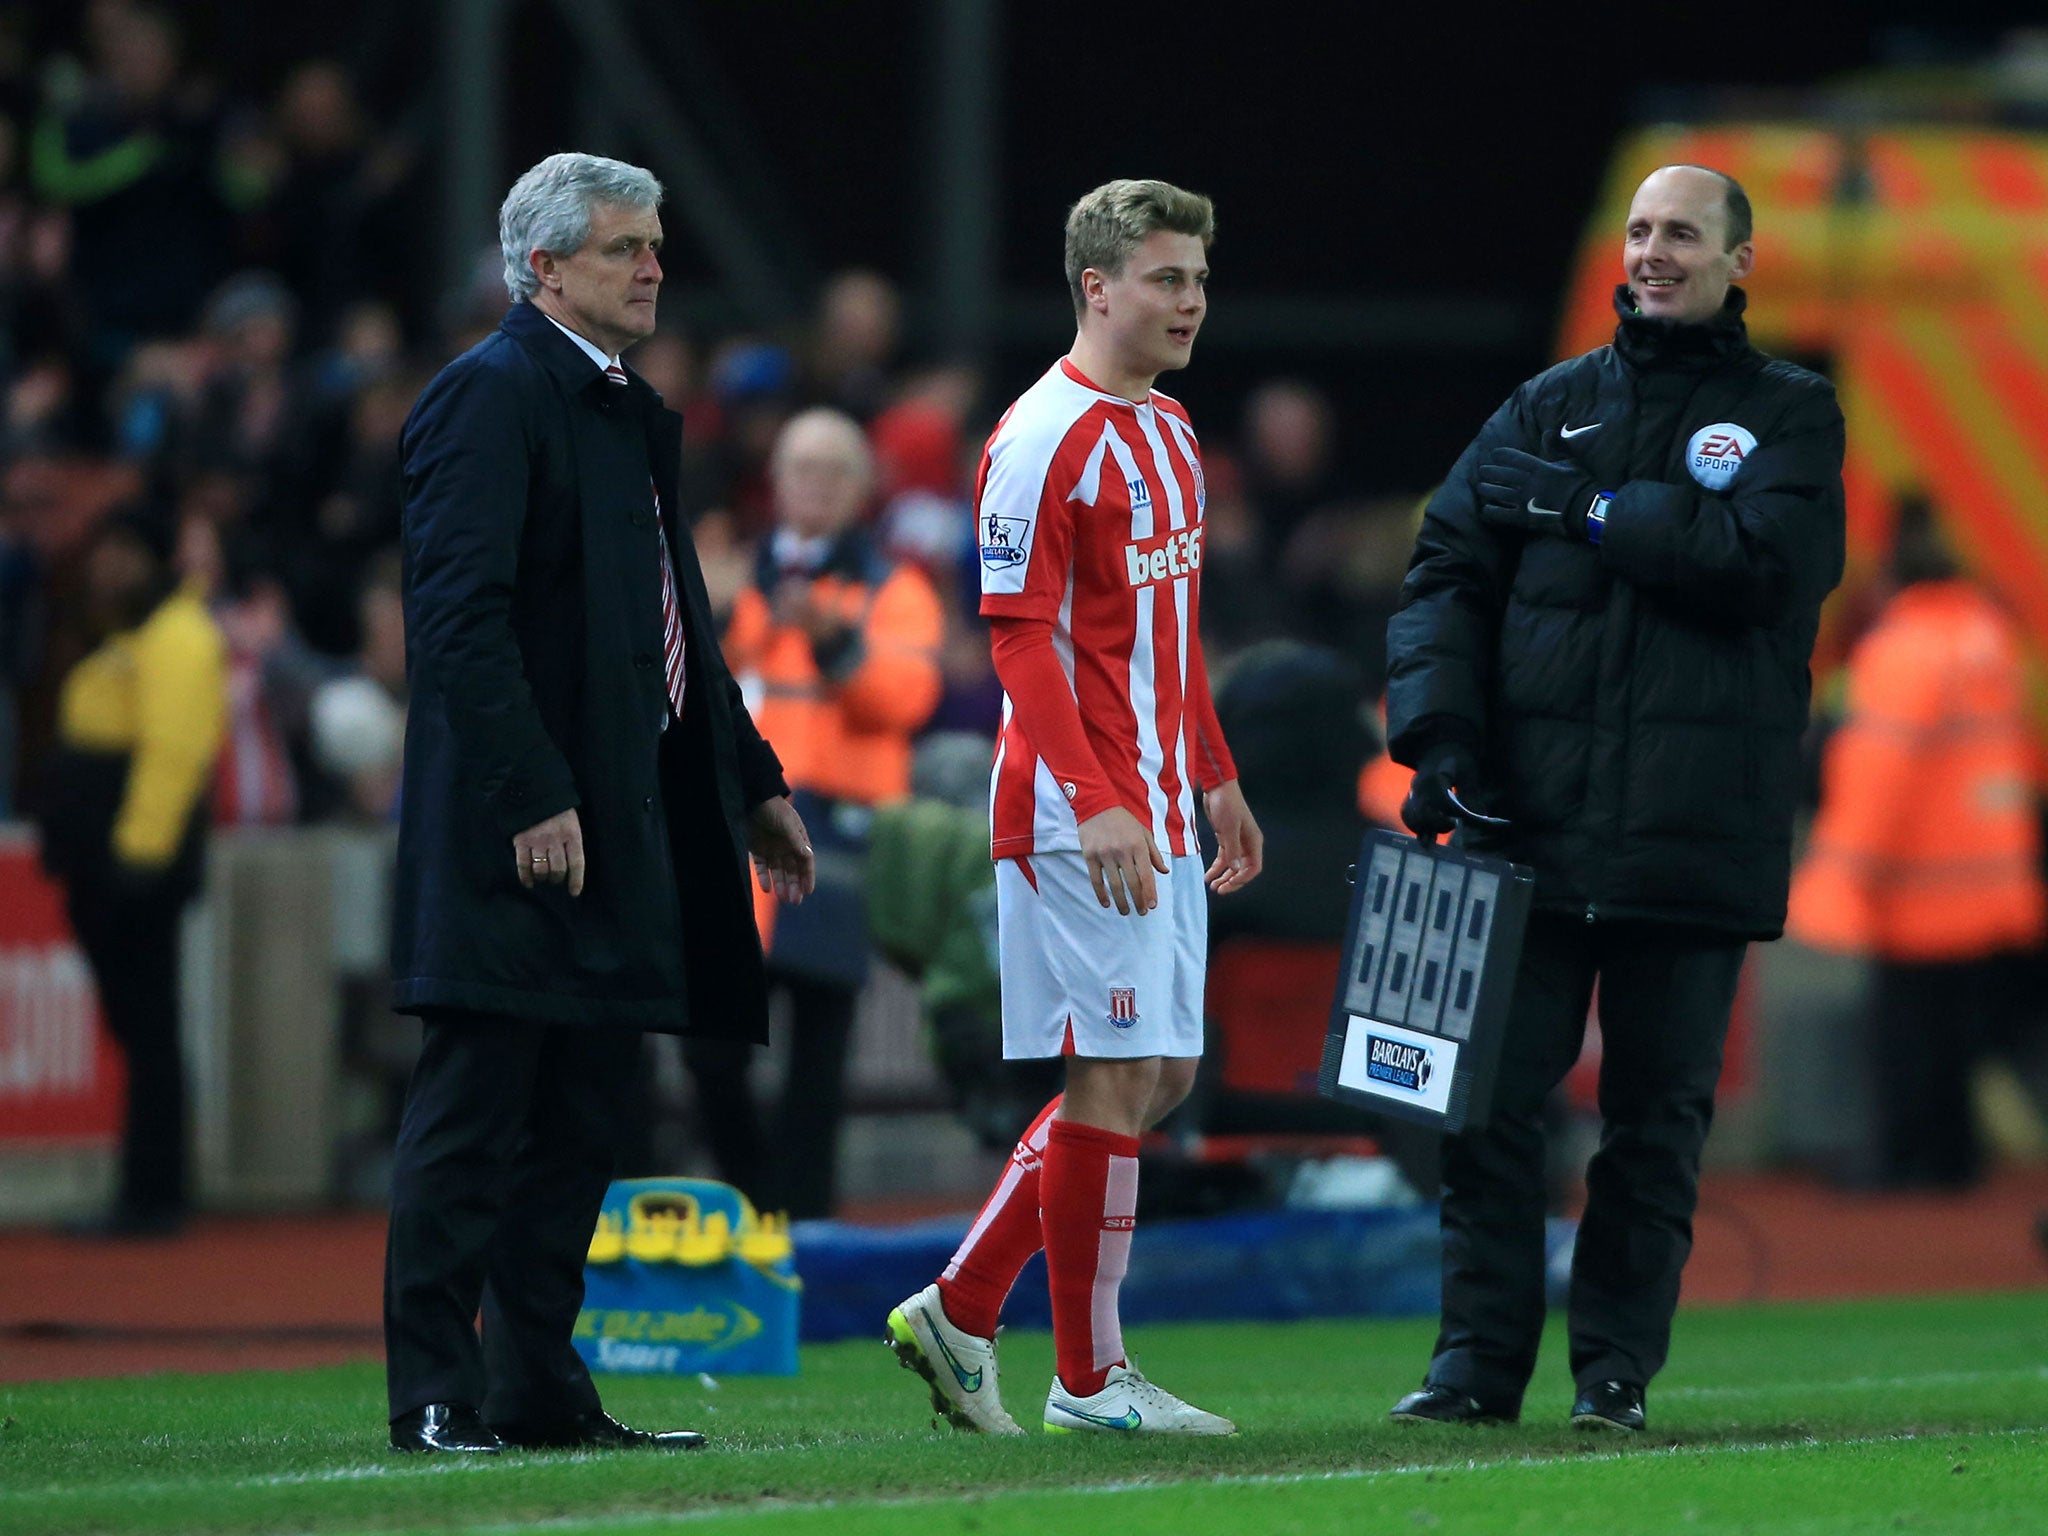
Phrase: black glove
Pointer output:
(1519, 490)
(1428, 810)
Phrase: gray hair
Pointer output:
(548, 209)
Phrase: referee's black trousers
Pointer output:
(1665, 997)
(504, 1154)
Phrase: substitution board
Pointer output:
(1429, 964)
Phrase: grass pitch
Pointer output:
(1925, 1416)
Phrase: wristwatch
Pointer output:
(1596, 516)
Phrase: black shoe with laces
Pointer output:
(1435, 1404)
(1609, 1405)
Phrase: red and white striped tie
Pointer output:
(671, 612)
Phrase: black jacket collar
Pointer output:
(1648, 343)
(569, 363)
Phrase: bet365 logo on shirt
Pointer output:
(1717, 453)
(1163, 558)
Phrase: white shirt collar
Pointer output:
(589, 351)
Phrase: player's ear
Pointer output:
(1095, 290)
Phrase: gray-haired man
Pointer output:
(582, 788)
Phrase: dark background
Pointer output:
(1431, 165)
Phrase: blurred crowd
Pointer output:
(215, 315)
(212, 306)
(214, 318)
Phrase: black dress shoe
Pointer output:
(1609, 1405)
(1441, 1405)
(444, 1427)
(596, 1430)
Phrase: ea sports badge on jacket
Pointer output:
(1717, 453)
(1429, 964)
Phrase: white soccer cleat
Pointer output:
(1129, 1404)
(959, 1367)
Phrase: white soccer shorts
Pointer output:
(1128, 986)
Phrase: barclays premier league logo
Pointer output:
(1397, 1063)
(1716, 454)
(1002, 541)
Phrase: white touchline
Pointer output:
(1564, 1461)
(437, 1467)
(1863, 1383)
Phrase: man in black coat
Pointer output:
(1604, 637)
(582, 789)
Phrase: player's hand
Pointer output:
(551, 851)
(1240, 845)
(783, 862)
(1121, 858)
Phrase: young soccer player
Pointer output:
(1089, 507)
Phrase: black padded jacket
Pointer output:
(1637, 705)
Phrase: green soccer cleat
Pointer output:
(959, 1367)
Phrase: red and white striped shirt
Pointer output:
(1089, 518)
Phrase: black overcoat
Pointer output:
(1637, 706)
(534, 655)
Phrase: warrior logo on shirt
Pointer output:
(1002, 540)
(1123, 1006)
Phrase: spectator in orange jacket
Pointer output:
(837, 653)
(1926, 852)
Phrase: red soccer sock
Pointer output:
(1002, 1239)
(1088, 1194)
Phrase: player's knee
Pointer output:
(1113, 1094)
(1176, 1082)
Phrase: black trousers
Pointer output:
(132, 943)
(1665, 996)
(505, 1151)
(798, 1170)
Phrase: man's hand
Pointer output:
(1428, 809)
(795, 605)
(552, 850)
(1519, 490)
(1121, 858)
(1240, 845)
(783, 862)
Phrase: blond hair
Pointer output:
(1107, 225)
